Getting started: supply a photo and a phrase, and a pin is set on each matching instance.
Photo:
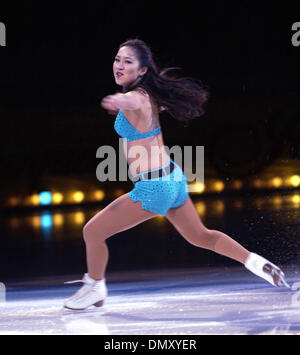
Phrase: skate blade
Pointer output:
(277, 275)
(283, 282)
(97, 305)
(89, 310)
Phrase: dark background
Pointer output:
(57, 66)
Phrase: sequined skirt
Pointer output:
(161, 193)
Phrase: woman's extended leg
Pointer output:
(188, 223)
(121, 214)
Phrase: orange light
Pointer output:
(34, 200)
(99, 195)
(79, 218)
(35, 221)
(257, 183)
(296, 199)
(13, 201)
(218, 207)
(118, 192)
(58, 219)
(197, 187)
(201, 208)
(237, 184)
(294, 180)
(277, 200)
(219, 186)
(277, 182)
(57, 198)
(78, 196)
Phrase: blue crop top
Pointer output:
(126, 130)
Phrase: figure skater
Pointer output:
(145, 92)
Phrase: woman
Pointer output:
(147, 91)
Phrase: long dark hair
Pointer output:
(182, 97)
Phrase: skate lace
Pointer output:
(95, 286)
(74, 282)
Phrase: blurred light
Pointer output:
(218, 207)
(219, 186)
(46, 224)
(99, 195)
(238, 204)
(14, 201)
(34, 200)
(197, 187)
(277, 200)
(78, 196)
(237, 184)
(294, 180)
(201, 208)
(257, 183)
(79, 218)
(118, 192)
(45, 198)
(58, 219)
(46, 221)
(57, 197)
(296, 199)
(277, 182)
(258, 202)
(35, 221)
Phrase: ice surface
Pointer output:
(187, 302)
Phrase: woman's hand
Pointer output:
(111, 103)
(129, 101)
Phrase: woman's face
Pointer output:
(126, 67)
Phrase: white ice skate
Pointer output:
(265, 269)
(93, 293)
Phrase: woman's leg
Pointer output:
(120, 215)
(186, 220)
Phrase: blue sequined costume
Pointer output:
(156, 194)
